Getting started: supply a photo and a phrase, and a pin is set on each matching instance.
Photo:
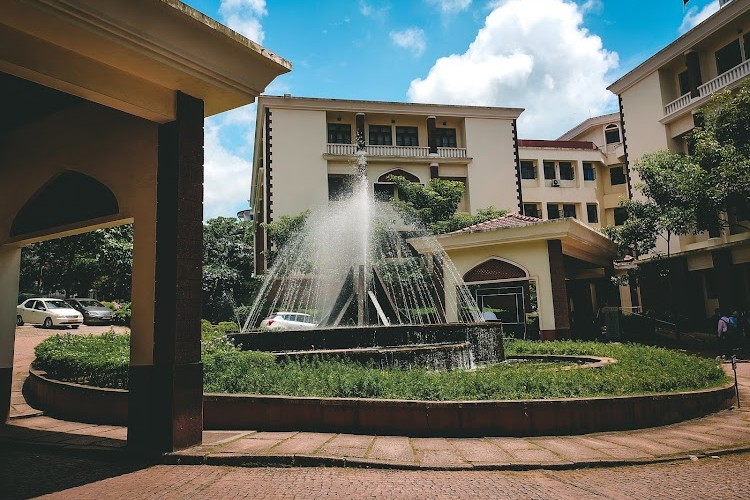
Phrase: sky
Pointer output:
(554, 58)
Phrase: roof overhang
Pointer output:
(589, 123)
(578, 240)
(133, 55)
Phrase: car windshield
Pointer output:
(57, 304)
(91, 303)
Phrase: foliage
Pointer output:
(227, 267)
(283, 229)
(706, 190)
(434, 205)
(640, 369)
(99, 260)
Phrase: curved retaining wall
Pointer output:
(396, 417)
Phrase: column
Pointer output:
(559, 292)
(360, 123)
(10, 268)
(692, 61)
(166, 398)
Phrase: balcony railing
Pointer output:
(720, 82)
(399, 151)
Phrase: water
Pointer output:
(352, 265)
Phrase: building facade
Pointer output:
(658, 101)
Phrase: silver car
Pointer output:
(284, 320)
(94, 312)
(48, 313)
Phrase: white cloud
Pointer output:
(412, 39)
(535, 55)
(243, 16)
(450, 6)
(368, 10)
(694, 16)
(226, 186)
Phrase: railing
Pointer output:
(402, 151)
(722, 81)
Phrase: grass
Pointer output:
(103, 360)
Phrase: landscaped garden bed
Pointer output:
(103, 361)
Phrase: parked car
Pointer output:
(288, 321)
(48, 313)
(94, 312)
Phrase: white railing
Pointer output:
(451, 152)
(724, 79)
(678, 103)
(402, 151)
(720, 82)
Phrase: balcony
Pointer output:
(721, 82)
(395, 151)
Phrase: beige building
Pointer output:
(304, 153)
(658, 100)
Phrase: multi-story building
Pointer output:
(304, 151)
(658, 101)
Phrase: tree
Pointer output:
(705, 190)
(227, 267)
(100, 260)
(434, 205)
(280, 231)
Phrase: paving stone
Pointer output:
(392, 448)
(431, 444)
(303, 443)
(570, 450)
(439, 458)
(248, 446)
(481, 451)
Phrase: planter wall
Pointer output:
(412, 418)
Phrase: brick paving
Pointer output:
(53, 476)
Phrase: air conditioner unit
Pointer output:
(555, 183)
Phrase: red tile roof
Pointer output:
(513, 219)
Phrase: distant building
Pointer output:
(245, 215)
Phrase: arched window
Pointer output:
(612, 133)
(495, 270)
(386, 190)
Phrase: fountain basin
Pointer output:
(410, 345)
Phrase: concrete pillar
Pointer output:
(166, 397)
(10, 268)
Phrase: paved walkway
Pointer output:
(721, 433)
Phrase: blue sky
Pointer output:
(554, 58)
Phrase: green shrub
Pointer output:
(103, 361)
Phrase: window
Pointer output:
(549, 170)
(589, 172)
(380, 135)
(445, 137)
(569, 210)
(407, 136)
(566, 170)
(531, 209)
(384, 191)
(528, 169)
(621, 215)
(728, 57)
(339, 186)
(682, 80)
(553, 211)
(339, 133)
(612, 133)
(617, 176)
(593, 212)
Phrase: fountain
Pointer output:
(374, 298)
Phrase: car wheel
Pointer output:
(47, 323)
(19, 320)
(74, 327)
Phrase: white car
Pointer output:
(48, 313)
(288, 321)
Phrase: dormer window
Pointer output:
(612, 134)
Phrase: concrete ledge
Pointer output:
(396, 417)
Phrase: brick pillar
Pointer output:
(166, 403)
(559, 293)
(10, 266)
(692, 61)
